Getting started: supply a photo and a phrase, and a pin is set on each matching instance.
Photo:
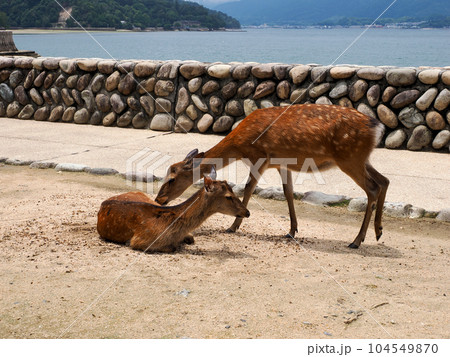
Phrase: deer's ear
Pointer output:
(208, 182)
(188, 165)
(213, 173)
(187, 162)
(197, 160)
(191, 155)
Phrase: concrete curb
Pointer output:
(390, 209)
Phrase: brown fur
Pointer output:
(329, 134)
(136, 219)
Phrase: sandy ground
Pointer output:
(58, 279)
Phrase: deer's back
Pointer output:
(307, 129)
(135, 196)
(119, 220)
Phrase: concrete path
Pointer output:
(419, 178)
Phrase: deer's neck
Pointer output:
(192, 213)
(220, 155)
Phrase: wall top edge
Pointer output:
(40, 60)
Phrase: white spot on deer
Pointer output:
(321, 150)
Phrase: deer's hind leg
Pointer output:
(360, 174)
(150, 241)
(288, 189)
(147, 246)
(384, 184)
(140, 242)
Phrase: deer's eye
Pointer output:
(171, 180)
(229, 197)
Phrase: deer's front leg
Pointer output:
(189, 239)
(249, 188)
(253, 179)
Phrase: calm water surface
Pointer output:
(375, 47)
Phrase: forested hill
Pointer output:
(120, 14)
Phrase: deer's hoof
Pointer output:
(230, 230)
(189, 239)
(380, 233)
(167, 249)
(353, 246)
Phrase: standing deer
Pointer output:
(133, 217)
(330, 135)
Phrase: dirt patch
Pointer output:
(58, 279)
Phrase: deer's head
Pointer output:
(178, 178)
(222, 198)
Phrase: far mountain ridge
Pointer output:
(313, 12)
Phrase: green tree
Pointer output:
(111, 13)
(3, 20)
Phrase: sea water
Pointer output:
(375, 46)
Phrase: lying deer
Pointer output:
(330, 135)
(136, 219)
(138, 196)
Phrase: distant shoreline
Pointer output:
(40, 31)
(36, 31)
(342, 27)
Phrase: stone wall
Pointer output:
(7, 42)
(413, 103)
